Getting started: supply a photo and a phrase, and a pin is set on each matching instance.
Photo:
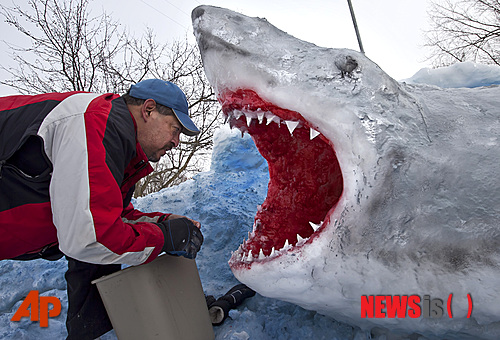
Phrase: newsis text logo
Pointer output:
(412, 306)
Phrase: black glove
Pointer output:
(219, 309)
(182, 237)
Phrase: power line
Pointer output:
(178, 23)
(188, 15)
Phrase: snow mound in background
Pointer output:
(466, 74)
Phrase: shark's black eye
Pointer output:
(346, 65)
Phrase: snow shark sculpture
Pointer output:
(376, 188)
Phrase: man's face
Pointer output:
(160, 134)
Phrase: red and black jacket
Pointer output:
(68, 166)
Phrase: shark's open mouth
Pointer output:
(305, 178)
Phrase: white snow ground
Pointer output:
(225, 200)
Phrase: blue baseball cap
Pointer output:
(169, 95)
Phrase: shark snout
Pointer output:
(197, 12)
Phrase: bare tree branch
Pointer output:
(72, 51)
(464, 30)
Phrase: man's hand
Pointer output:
(182, 237)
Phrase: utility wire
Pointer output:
(178, 23)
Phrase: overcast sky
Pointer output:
(392, 31)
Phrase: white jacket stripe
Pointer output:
(64, 134)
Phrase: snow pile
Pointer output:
(466, 74)
(225, 201)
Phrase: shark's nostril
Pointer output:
(197, 12)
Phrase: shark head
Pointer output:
(349, 211)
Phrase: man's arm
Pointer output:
(132, 215)
(86, 200)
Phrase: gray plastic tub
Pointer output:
(160, 300)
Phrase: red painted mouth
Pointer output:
(305, 177)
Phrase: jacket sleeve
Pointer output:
(132, 215)
(86, 200)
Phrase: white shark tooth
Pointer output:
(254, 227)
(260, 116)
(249, 257)
(315, 226)
(239, 256)
(237, 114)
(291, 125)
(249, 121)
(286, 244)
(261, 254)
(313, 134)
(299, 239)
(270, 118)
(273, 252)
